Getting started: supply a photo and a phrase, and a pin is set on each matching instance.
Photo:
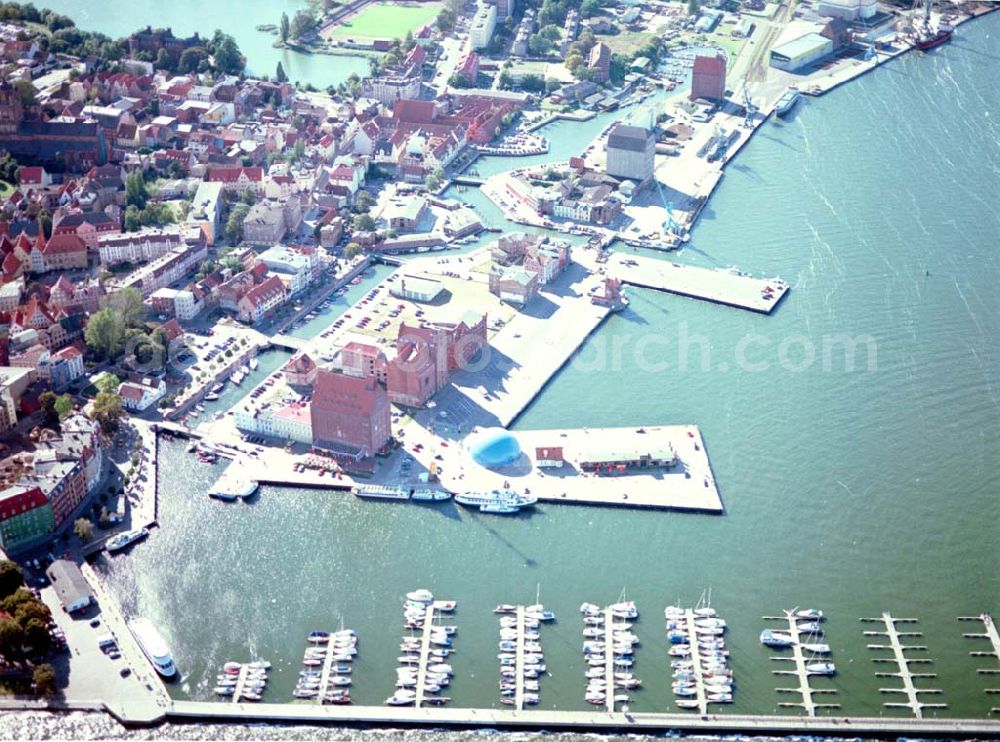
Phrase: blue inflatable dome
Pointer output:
(493, 447)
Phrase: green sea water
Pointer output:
(853, 491)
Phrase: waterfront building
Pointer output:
(549, 457)
(25, 518)
(261, 300)
(139, 395)
(70, 585)
(708, 78)
(850, 10)
(416, 288)
(484, 22)
(801, 52)
(630, 152)
(605, 457)
(61, 478)
(297, 266)
(164, 271)
(599, 61)
(350, 416)
(364, 361)
(300, 372)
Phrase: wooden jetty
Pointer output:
(990, 633)
(719, 286)
(519, 661)
(324, 678)
(425, 646)
(609, 660)
(241, 681)
(798, 657)
(699, 677)
(903, 663)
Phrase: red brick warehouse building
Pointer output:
(708, 78)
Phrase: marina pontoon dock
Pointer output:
(990, 633)
(903, 663)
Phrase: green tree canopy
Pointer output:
(283, 27)
(105, 333)
(44, 679)
(234, 225)
(108, 382)
(107, 411)
(128, 304)
(83, 529)
(136, 193)
(364, 223)
(11, 637)
(50, 415)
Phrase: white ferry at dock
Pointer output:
(153, 646)
(500, 502)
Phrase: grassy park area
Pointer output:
(386, 21)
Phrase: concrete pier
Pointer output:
(580, 721)
(903, 662)
(688, 485)
(324, 678)
(717, 286)
(519, 661)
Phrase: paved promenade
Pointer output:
(581, 720)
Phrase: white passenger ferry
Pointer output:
(153, 646)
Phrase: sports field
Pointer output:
(386, 21)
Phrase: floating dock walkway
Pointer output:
(425, 649)
(609, 659)
(720, 286)
(801, 672)
(241, 682)
(991, 634)
(699, 678)
(903, 663)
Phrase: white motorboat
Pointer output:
(430, 495)
(420, 596)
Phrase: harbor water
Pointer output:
(854, 491)
(118, 18)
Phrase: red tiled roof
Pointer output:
(232, 174)
(64, 243)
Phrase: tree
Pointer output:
(539, 46)
(363, 201)
(590, 8)
(32, 610)
(135, 189)
(107, 411)
(83, 529)
(50, 416)
(164, 60)
(128, 304)
(44, 679)
(105, 333)
(234, 225)
(36, 635)
(283, 28)
(434, 179)
(11, 637)
(132, 219)
(573, 61)
(64, 406)
(302, 23)
(352, 250)
(551, 32)
(11, 577)
(279, 74)
(299, 149)
(692, 7)
(45, 222)
(228, 58)
(191, 59)
(14, 601)
(108, 382)
(364, 223)
(533, 82)
(27, 92)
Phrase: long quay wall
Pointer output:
(718, 286)
(579, 720)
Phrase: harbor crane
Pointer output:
(749, 108)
